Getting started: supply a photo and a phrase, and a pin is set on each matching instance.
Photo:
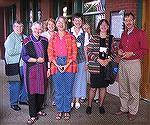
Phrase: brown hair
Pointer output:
(129, 14)
(100, 22)
(49, 20)
(77, 15)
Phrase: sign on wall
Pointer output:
(116, 23)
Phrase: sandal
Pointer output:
(59, 116)
(66, 116)
(41, 113)
(32, 120)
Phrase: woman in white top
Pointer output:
(49, 33)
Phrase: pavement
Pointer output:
(78, 117)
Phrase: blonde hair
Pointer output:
(64, 18)
(47, 21)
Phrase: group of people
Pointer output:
(58, 59)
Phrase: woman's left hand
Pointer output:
(64, 68)
(104, 62)
(107, 61)
(48, 73)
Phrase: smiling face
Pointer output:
(104, 27)
(36, 30)
(129, 22)
(18, 28)
(86, 28)
(77, 22)
(51, 26)
(61, 24)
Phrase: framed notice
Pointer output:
(116, 23)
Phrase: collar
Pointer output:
(131, 31)
(34, 39)
(74, 33)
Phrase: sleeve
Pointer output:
(143, 44)
(120, 42)
(114, 47)
(91, 51)
(74, 49)
(50, 50)
(11, 46)
(24, 54)
(86, 39)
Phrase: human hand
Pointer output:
(120, 52)
(48, 73)
(40, 60)
(63, 68)
(127, 55)
(102, 62)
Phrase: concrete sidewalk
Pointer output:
(78, 117)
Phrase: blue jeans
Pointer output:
(63, 83)
(17, 90)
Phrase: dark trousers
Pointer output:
(35, 104)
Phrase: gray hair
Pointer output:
(35, 23)
(18, 22)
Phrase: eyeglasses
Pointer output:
(130, 20)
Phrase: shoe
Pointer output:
(77, 105)
(96, 101)
(41, 113)
(15, 107)
(53, 103)
(101, 110)
(43, 106)
(32, 120)
(89, 110)
(59, 115)
(67, 116)
(82, 100)
(131, 117)
(72, 104)
(121, 113)
(23, 103)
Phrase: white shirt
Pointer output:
(46, 34)
(86, 39)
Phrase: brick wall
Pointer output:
(115, 5)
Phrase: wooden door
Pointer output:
(145, 81)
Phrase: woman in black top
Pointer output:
(99, 52)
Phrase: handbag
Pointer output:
(12, 69)
(111, 71)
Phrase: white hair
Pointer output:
(36, 23)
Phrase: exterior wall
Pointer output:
(116, 5)
(18, 9)
(1, 32)
(47, 9)
(131, 6)
(145, 84)
(3, 4)
(7, 3)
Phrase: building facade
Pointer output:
(29, 11)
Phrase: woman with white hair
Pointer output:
(34, 54)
